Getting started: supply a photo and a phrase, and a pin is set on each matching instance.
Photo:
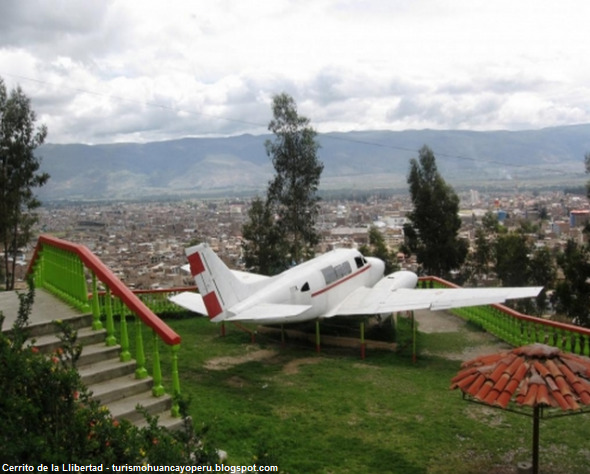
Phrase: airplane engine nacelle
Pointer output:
(402, 279)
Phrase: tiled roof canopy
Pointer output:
(535, 375)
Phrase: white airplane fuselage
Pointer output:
(322, 283)
(339, 283)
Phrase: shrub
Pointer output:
(48, 416)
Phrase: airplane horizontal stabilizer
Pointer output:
(191, 301)
(265, 313)
(380, 300)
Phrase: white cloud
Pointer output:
(119, 70)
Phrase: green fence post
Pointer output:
(125, 354)
(140, 372)
(175, 381)
(96, 323)
(158, 388)
(111, 340)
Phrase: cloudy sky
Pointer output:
(122, 70)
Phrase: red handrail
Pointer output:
(116, 286)
(517, 314)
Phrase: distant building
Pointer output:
(579, 218)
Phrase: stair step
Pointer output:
(119, 387)
(93, 353)
(50, 327)
(111, 382)
(105, 370)
(166, 420)
(50, 342)
(126, 407)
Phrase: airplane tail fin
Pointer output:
(217, 284)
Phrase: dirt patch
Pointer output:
(492, 417)
(292, 367)
(480, 343)
(438, 321)
(227, 362)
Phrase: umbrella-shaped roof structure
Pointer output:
(537, 376)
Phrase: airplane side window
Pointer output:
(305, 287)
(329, 275)
(343, 269)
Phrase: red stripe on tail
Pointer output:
(212, 304)
(196, 264)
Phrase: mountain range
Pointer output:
(367, 160)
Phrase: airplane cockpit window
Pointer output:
(360, 262)
(305, 287)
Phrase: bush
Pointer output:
(48, 416)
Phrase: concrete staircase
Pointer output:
(109, 380)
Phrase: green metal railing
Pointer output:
(519, 329)
(63, 268)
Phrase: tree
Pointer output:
(291, 207)
(434, 222)
(477, 263)
(18, 174)
(378, 248)
(512, 261)
(263, 252)
(572, 294)
(543, 272)
(293, 191)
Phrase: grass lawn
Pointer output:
(334, 413)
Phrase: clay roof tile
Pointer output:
(560, 400)
(476, 385)
(530, 398)
(491, 396)
(502, 382)
(543, 396)
(530, 375)
(504, 399)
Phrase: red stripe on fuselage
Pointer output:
(196, 264)
(335, 284)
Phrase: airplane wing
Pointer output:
(191, 301)
(266, 313)
(381, 300)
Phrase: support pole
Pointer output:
(282, 335)
(536, 439)
(413, 337)
(317, 336)
(363, 344)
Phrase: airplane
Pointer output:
(341, 282)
